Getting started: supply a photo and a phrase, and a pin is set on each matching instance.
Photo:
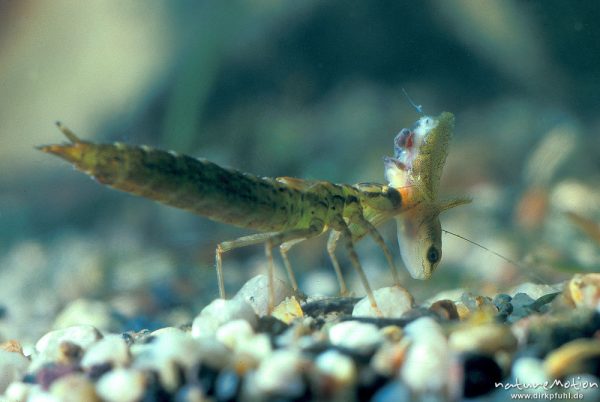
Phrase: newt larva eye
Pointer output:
(433, 255)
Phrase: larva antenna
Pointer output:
(528, 272)
(418, 108)
(516, 264)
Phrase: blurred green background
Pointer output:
(281, 88)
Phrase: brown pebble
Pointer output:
(572, 357)
(445, 309)
(584, 290)
(69, 352)
(392, 333)
(12, 346)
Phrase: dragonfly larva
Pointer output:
(288, 210)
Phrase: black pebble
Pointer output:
(207, 377)
(480, 374)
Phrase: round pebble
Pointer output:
(74, 388)
(338, 368)
(280, 374)
(485, 338)
(255, 292)
(87, 312)
(480, 374)
(121, 385)
(12, 368)
(426, 367)
(535, 290)
(392, 302)
(219, 312)
(81, 335)
(166, 350)
(234, 332)
(356, 335)
(111, 349)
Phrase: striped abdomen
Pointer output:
(199, 186)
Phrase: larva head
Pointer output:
(420, 241)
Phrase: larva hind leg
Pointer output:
(368, 226)
(346, 237)
(334, 237)
(277, 239)
(233, 244)
(284, 249)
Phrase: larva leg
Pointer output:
(331, 246)
(360, 220)
(347, 239)
(233, 244)
(276, 239)
(283, 249)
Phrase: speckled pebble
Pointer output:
(220, 312)
(392, 301)
(356, 335)
(12, 367)
(111, 349)
(121, 385)
(255, 292)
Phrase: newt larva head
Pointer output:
(415, 171)
(420, 241)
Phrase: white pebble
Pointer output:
(427, 364)
(256, 293)
(355, 335)
(536, 290)
(336, 366)
(12, 367)
(280, 374)
(121, 385)
(74, 388)
(257, 347)
(392, 301)
(219, 312)
(81, 335)
(111, 349)
(234, 332)
(87, 312)
(529, 370)
(18, 391)
(161, 355)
